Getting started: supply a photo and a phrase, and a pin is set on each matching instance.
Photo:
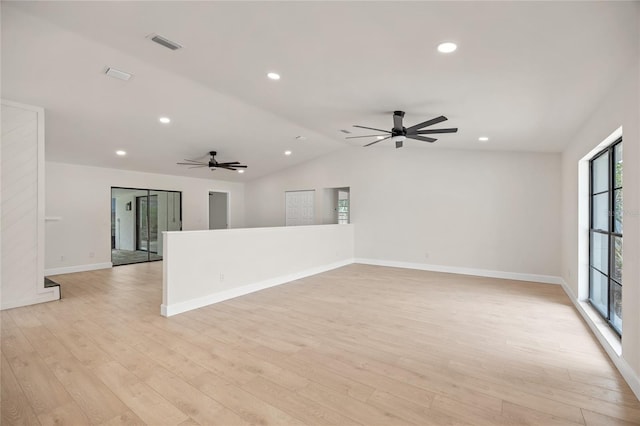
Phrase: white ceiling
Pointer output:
(526, 74)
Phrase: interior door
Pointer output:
(299, 208)
(218, 210)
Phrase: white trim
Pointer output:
(52, 293)
(41, 289)
(614, 136)
(77, 268)
(546, 279)
(621, 364)
(583, 212)
(221, 296)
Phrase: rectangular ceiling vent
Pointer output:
(120, 75)
(162, 41)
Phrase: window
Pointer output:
(343, 207)
(605, 234)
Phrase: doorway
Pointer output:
(336, 207)
(218, 210)
(138, 218)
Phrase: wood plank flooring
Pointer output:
(360, 345)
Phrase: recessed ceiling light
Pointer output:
(483, 138)
(164, 120)
(447, 47)
(380, 137)
(287, 153)
(240, 171)
(273, 76)
(121, 153)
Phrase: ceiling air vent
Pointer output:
(165, 42)
(120, 75)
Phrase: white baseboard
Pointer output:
(177, 308)
(621, 364)
(77, 268)
(546, 279)
(47, 295)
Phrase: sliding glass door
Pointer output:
(138, 218)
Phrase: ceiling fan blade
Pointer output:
(379, 140)
(228, 168)
(242, 166)
(397, 119)
(192, 161)
(422, 138)
(193, 164)
(367, 136)
(371, 128)
(427, 123)
(229, 163)
(432, 131)
(197, 167)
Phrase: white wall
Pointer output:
(496, 211)
(619, 108)
(205, 267)
(81, 197)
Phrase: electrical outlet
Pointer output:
(426, 254)
(91, 254)
(221, 277)
(61, 258)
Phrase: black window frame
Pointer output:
(610, 233)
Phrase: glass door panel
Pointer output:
(142, 224)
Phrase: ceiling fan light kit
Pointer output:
(399, 133)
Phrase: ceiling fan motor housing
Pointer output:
(398, 128)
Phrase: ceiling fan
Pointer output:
(399, 133)
(213, 164)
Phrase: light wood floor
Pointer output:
(358, 345)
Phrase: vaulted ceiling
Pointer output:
(526, 74)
